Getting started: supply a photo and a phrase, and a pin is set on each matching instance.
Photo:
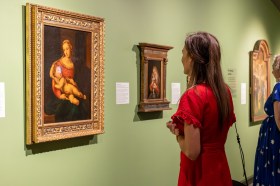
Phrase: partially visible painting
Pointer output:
(153, 77)
(64, 74)
(259, 79)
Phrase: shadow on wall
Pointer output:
(236, 183)
(60, 144)
(147, 115)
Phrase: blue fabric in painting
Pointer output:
(267, 159)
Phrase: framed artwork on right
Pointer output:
(259, 80)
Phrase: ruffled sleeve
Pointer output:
(190, 110)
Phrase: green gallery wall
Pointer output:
(136, 149)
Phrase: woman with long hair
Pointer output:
(204, 115)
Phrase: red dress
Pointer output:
(198, 107)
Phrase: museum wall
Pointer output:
(136, 149)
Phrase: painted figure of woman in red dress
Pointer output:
(155, 84)
(62, 74)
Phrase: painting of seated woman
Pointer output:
(67, 87)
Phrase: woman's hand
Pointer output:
(172, 128)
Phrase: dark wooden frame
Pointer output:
(259, 80)
(153, 56)
(38, 127)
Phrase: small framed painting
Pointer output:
(153, 77)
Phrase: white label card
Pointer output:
(243, 93)
(122, 93)
(176, 92)
(2, 100)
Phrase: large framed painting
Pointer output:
(259, 79)
(64, 74)
(153, 77)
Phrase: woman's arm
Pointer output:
(190, 142)
(276, 106)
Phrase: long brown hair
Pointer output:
(204, 50)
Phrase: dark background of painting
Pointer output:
(81, 55)
(152, 63)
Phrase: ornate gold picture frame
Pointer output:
(64, 74)
(259, 80)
